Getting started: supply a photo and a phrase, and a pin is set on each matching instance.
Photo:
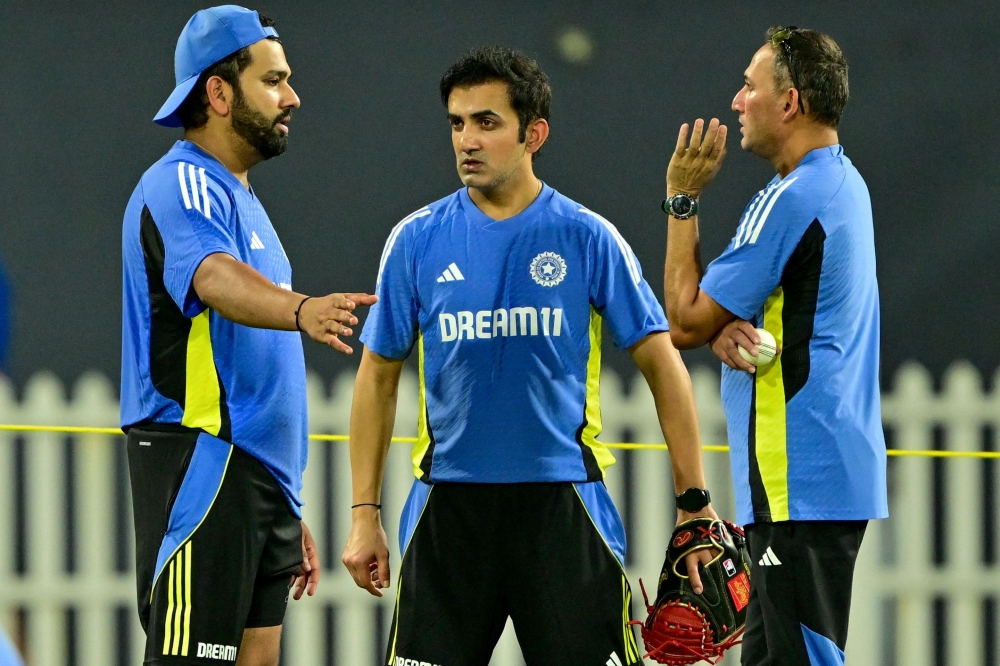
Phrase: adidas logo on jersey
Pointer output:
(614, 660)
(769, 559)
(487, 324)
(451, 274)
(255, 242)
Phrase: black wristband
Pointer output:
(377, 506)
(298, 326)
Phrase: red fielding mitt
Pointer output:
(683, 627)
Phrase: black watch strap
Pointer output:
(694, 499)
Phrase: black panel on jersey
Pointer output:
(168, 328)
(428, 459)
(758, 494)
(594, 472)
(800, 282)
(226, 427)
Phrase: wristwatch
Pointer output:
(693, 500)
(682, 206)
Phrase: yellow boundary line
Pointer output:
(628, 446)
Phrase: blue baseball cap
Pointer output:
(210, 35)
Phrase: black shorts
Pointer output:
(216, 544)
(544, 554)
(800, 592)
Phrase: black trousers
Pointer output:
(800, 592)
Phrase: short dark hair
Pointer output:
(527, 85)
(820, 70)
(193, 111)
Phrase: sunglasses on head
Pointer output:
(782, 39)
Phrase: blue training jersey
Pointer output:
(806, 431)
(184, 364)
(506, 318)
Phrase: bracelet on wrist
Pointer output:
(377, 506)
(298, 325)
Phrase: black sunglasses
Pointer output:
(781, 38)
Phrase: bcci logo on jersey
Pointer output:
(548, 269)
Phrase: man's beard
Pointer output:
(257, 129)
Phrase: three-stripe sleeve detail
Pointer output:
(755, 221)
(394, 234)
(194, 188)
(741, 230)
(177, 622)
(626, 249)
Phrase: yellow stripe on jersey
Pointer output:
(177, 623)
(168, 623)
(179, 596)
(423, 442)
(592, 410)
(631, 649)
(201, 393)
(770, 426)
(187, 599)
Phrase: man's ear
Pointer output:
(791, 105)
(220, 95)
(535, 137)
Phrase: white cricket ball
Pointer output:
(767, 348)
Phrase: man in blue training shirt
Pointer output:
(808, 453)
(501, 290)
(213, 377)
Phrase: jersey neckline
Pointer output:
(476, 215)
(217, 166)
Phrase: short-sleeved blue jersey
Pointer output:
(806, 430)
(506, 318)
(183, 363)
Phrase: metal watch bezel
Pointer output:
(668, 206)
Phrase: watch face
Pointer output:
(681, 205)
(693, 499)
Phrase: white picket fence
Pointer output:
(905, 604)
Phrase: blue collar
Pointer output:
(473, 212)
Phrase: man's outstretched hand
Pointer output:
(327, 318)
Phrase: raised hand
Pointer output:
(694, 164)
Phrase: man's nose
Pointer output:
(737, 104)
(290, 99)
(467, 142)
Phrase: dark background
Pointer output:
(82, 81)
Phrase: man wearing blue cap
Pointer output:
(213, 377)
